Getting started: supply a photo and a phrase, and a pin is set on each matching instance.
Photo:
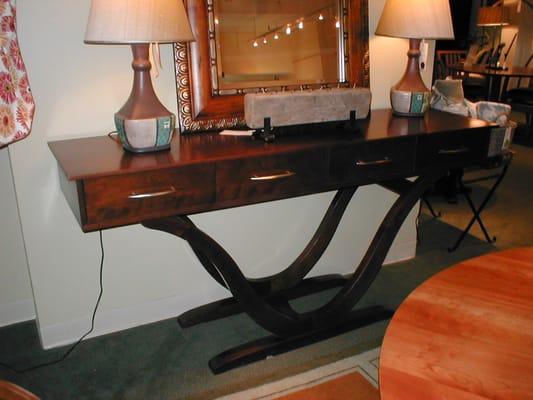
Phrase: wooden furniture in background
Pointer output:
(474, 85)
(495, 76)
(446, 58)
(107, 187)
(466, 333)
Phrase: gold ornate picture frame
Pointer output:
(202, 107)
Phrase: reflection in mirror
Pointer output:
(266, 43)
(204, 105)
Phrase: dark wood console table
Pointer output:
(107, 187)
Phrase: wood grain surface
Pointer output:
(101, 156)
(466, 333)
(10, 391)
(106, 186)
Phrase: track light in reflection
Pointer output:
(321, 17)
(288, 30)
(255, 43)
(300, 25)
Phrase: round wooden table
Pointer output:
(466, 333)
(494, 75)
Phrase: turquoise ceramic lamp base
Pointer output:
(409, 104)
(410, 97)
(143, 123)
(145, 135)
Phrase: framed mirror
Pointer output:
(250, 46)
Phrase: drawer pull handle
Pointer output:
(285, 174)
(386, 160)
(137, 196)
(455, 151)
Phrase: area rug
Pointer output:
(352, 378)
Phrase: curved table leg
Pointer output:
(293, 274)
(256, 296)
(265, 314)
(277, 316)
(371, 263)
(316, 246)
(277, 286)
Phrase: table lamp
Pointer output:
(143, 123)
(414, 20)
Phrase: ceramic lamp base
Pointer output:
(145, 135)
(409, 104)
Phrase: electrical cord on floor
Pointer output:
(71, 349)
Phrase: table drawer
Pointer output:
(271, 177)
(368, 162)
(130, 198)
(453, 149)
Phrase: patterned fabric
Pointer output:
(16, 101)
(493, 112)
(447, 95)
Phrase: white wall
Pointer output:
(524, 44)
(150, 275)
(16, 299)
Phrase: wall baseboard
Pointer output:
(401, 252)
(109, 321)
(19, 311)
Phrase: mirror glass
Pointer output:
(266, 43)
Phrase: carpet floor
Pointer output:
(163, 361)
(523, 134)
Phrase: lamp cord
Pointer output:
(71, 349)
(113, 136)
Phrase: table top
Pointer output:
(484, 70)
(466, 333)
(77, 157)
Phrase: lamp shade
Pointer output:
(138, 21)
(493, 16)
(416, 19)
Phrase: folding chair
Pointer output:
(448, 96)
(502, 161)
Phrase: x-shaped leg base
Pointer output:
(478, 210)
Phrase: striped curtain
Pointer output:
(16, 101)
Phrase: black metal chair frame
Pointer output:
(503, 161)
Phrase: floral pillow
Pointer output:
(16, 101)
